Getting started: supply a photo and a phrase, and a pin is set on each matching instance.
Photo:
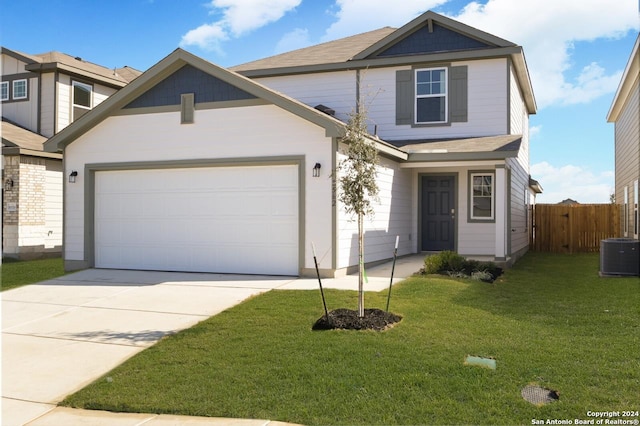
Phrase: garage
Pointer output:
(225, 219)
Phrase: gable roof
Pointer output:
(431, 21)
(181, 59)
(419, 41)
(57, 61)
(629, 79)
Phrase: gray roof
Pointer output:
(51, 61)
(18, 140)
(365, 50)
(480, 148)
(336, 51)
(16, 136)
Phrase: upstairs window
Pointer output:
(20, 89)
(436, 96)
(82, 99)
(4, 91)
(431, 96)
(481, 196)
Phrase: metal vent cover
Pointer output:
(538, 395)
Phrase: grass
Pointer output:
(550, 320)
(18, 273)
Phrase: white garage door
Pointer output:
(214, 219)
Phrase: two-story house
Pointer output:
(625, 114)
(41, 95)
(193, 167)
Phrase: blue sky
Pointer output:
(576, 51)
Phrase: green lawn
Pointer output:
(550, 320)
(18, 273)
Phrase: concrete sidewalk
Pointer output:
(60, 335)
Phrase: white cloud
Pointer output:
(207, 37)
(293, 40)
(239, 17)
(357, 16)
(534, 131)
(548, 29)
(575, 182)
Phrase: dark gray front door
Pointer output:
(438, 214)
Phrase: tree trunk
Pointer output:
(360, 266)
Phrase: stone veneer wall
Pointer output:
(25, 228)
(10, 205)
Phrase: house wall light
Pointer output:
(316, 170)
(8, 184)
(72, 176)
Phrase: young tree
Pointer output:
(356, 177)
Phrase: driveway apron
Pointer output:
(62, 334)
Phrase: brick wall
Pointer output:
(26, 233)
(32, 178)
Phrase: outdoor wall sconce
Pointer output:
(316, 170)
(8, 184)
(72, 176)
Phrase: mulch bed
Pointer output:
(347, 319)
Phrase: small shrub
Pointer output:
(445, 261)
(483, 276)
(452, 264)
(433, 264)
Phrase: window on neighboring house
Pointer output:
(625, 212)
(431, 96)
(4, 91)
(636, 217)
(481, 196)
(82, 99)
(20, 89)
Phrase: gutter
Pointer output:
(14, 150)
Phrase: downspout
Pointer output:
(357, 91)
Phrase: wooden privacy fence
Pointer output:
(576, 228)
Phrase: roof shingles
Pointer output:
(336, 51)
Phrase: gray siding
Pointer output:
(189, 79)
(436, 39)
(627, 151)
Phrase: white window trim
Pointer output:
(5, 84)
(493, 197)
(416, 97)
(86, 86)
(26, 89)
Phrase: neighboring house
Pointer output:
(568, 202)
(625, 114)
(40, 95)
(193, 167)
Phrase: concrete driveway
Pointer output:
(60, 335)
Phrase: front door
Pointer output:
(438, 212)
